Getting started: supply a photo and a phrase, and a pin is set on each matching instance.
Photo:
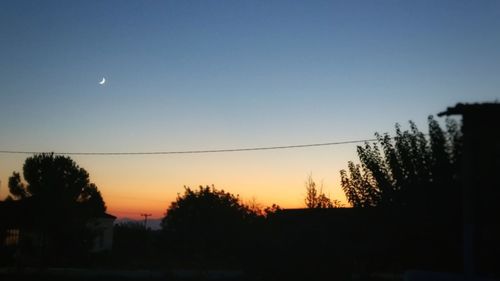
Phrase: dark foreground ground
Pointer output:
(56, 274)
(94, 274)
(75, 274)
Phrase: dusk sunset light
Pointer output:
(164, 101)
(196, 76)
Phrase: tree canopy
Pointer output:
(62, 200)
(58, 180)
(207, 223)
(410, 169)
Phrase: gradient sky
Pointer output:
(186, 75)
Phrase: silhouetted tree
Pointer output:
(207, 225)
(62, 200)
(271, 210)
(255, 207)
(316, 198)
(407, 170)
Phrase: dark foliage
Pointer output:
(408, 170)
(61, 200)
(411, 180)
(316, 198)
(134, 246)
(208, 226)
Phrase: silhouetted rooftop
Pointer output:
(107, 216)
(461, 108)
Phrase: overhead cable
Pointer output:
(192, 151)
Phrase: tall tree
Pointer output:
(408, 169)
(62, 200)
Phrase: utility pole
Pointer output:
(145, 219)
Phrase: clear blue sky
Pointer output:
(221, 74)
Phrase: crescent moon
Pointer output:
(103, 81)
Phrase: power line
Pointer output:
(194, 151)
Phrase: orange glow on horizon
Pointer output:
(131, 207)
(134, 185)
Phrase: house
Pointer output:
(102, 227)
(480, 185)
(15, 222)
(18, 228)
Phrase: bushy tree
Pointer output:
(207, 224)
(410, 169)
(62, 200)
(58, 180)
(272, 210)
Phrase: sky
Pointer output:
(196, 75)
